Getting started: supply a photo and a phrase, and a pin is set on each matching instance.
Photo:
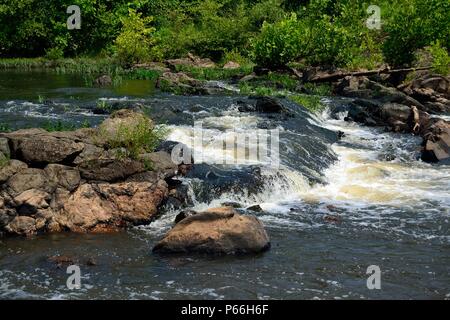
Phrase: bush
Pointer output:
(135, 139)
(440, 58)
(414, 24)
(136, 41)
(278, 43)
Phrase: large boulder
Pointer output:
(436, 142)
(120, 125)
(37, 146)
(110, 170)
(30, 178)
(96, 207)
(215, 231)
(161, 162)
(10, 169)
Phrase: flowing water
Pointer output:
(332, 208)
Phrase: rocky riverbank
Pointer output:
(412, 107)
(79, 181)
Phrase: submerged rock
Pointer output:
(103, 81)
(216, 231)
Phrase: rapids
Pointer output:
(391, 209)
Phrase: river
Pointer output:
(393, 210)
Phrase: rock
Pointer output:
(4, 147)
(184, 214)
(30, 201)
(249, 77)
(155, 66)
(160, 161)
(36, 146)
(263, 105)
(103, 81)
(192, 61)
(180, 83)
(268, 105)
(362, 87)
(255, 208)
(110, 170)
(95, 206)
(22, 225)
(332, 219)
(232, 204)
(64, 176)
(216, 231)
(231, 65)
(61, 261)
(436, 142)
(11, 169)
(114, 127)
(30, 178)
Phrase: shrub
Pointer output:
(278, 43)
(139, 138)
(414, 24)
(440, 58)
(136, 42)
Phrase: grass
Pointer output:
(310, 102)
(215, 73)
(4, 127)
(55, 126)
(4, 160)
(138, 139)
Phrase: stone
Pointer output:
(160, 161)
(66, 177)
(192, 61)
(184, 214)
(231, 65)
(30, 178)
(22, 225)
(112, 205)
(35, 146)
(103, 81)
(113, 127)
(216, 231)
(30, 201)
(110, 170)
(436, 142)
(4, 147)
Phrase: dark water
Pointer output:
(393, 214)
